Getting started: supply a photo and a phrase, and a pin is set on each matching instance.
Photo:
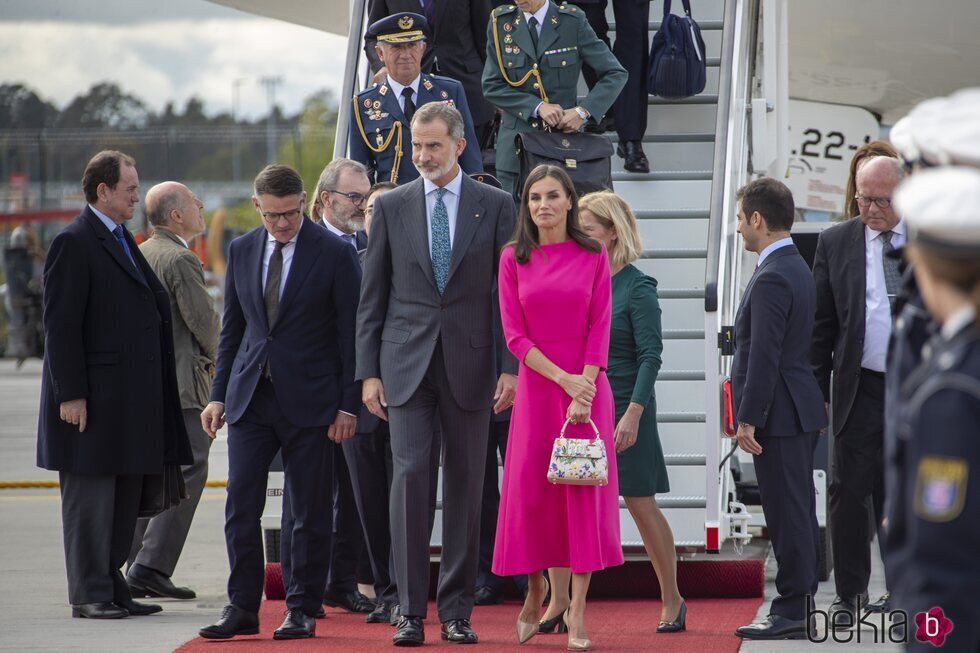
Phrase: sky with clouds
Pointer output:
(164, 51)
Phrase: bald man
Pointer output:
(177, 216)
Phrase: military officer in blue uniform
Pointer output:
(380, 126)
(933, 511)
(535, 52)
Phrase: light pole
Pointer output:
(236, 159)
(270, 84)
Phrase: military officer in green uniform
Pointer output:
(535, 52)
(380, 126)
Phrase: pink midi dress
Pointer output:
(560, 302)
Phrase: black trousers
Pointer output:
(253, 442)
(632, 49)
(785, 473)
(857, 488)
(491, 508)
(98, 514)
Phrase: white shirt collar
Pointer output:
(779, 244)
(397, 88)
(106, 220)
(540, 14)
(871, 234)
(958, 321)
(332, 229)
(454, 186)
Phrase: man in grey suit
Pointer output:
(425, 349)
(177, 216)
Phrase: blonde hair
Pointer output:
(613, 212)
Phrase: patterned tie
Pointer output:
(441, 247)
(893, 277)
(273, 280)
(118, 233)
(409, 108)
(532, 24)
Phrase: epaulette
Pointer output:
(504, 9)
(571, 10)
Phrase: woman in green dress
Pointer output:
(635, 346)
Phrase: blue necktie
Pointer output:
(118, 233)
(350, 239)
(441, 246)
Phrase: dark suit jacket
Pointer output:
(402, 315)
(774, 387)
(838, 335)
(460, 43)
(108, 340)
(310, 348)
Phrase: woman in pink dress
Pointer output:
(555, 305)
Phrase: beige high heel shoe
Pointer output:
(525, 631)
(576, 643)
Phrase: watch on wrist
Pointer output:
(582, 113)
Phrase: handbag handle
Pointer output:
(564, 426)
(687, 7)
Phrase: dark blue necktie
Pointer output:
(118, 233)
(350, 239)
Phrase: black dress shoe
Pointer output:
(138, 609)
(396, 614)
(102, 610)
(350, 601)
(233, 621)
(486, 595)
(774, 627)
(320, 613)
(634, 158)
(410, 632)
(297, 625)
(677, 625)
(883, 604)
(844, 613)
(458, 631)
(380, 615)
(146, 582)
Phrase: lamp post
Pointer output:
(236, 147)
(270, 84)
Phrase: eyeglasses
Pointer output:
(355, 198)
(273, 217)
(880, 202)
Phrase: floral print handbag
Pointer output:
(578, 461)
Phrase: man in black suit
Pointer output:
(456, 48)
(284, 380)
(110, 410)
(425, 354)
(857, 279)
(777, 400)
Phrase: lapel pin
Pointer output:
(508, 27)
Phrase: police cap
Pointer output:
(486, 178)
(403, 27)
(941, 208)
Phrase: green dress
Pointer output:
(635, 346)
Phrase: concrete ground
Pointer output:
(34, 610)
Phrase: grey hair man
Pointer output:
(177, 216)
(342, 190)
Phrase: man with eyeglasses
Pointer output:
(380, 125)
(857, 279)
(284, 381)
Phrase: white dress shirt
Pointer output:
(450, 199)
(958, 321)
(104, 219)
(287, 258)
(779, 244)
(877, 308)
(397, 89)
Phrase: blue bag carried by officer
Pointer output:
(677, 61)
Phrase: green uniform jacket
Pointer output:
(566, 42)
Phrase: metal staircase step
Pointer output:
(671, 214)
(694, 99)
(685, 459)
(666, 175)
(654, 25)
(681, 293)
(690, 501)
(694, 137)
(680, 375)
(673, 253)
(680, 417)
(683, 334)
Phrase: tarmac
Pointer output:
(34, 610)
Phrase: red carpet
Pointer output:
(623, 626)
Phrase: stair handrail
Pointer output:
(350, 85)
(722, 269)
